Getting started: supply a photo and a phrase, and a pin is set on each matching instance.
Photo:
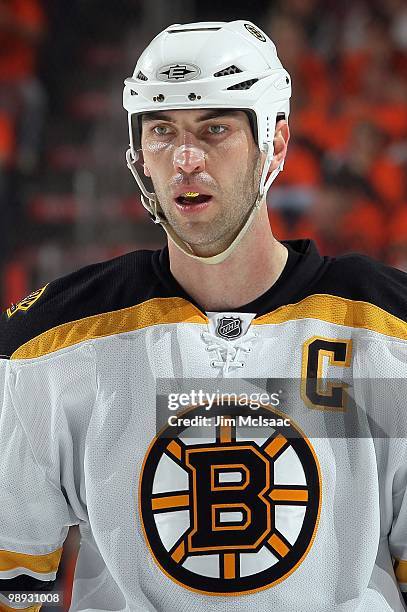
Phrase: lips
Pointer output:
(184, 187)
(192, 197)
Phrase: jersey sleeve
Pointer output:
(398, 534)
(381, 390)
(34, 515)
(43, 419)
(393, 391)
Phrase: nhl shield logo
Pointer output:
(178, 72)
(229, 328)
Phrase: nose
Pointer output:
(189, 159)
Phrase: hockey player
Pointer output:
(307, 514)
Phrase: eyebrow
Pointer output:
(211, 114)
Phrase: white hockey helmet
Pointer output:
(209, 65)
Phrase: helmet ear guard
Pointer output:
(172, 75)
(135, 127)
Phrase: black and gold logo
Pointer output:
(26, 303)
(255, 32)
(230, 513)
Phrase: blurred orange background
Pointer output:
(66, 196)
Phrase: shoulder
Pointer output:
(93, 290)
(362, 279)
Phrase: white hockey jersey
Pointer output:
(292, 496)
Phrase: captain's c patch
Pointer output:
(27, 302)
(233, 512)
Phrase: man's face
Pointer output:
(212, 153)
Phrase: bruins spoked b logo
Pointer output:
(230, 513)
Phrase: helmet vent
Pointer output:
(193, 30)
(133, 93)
(141, 76)
(243, 85)
(226, 71)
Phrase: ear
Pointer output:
(281, 138)
(146, 170)
(280, 142)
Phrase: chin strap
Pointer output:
(151, 204)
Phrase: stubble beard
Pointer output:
(209, 238)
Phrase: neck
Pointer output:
(251, 269)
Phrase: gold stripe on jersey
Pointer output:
(400, 569)
(161, 311)
(41, 564)
(4, 608)
(339, 311)
(157, 311)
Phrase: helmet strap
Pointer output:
(151, 204)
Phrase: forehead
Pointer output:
(195, 116)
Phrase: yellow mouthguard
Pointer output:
(191, 194)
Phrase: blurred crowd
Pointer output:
(65, 196)
(22, 105)
(344, 182)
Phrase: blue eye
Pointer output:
(217, 129)
(161, 130)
